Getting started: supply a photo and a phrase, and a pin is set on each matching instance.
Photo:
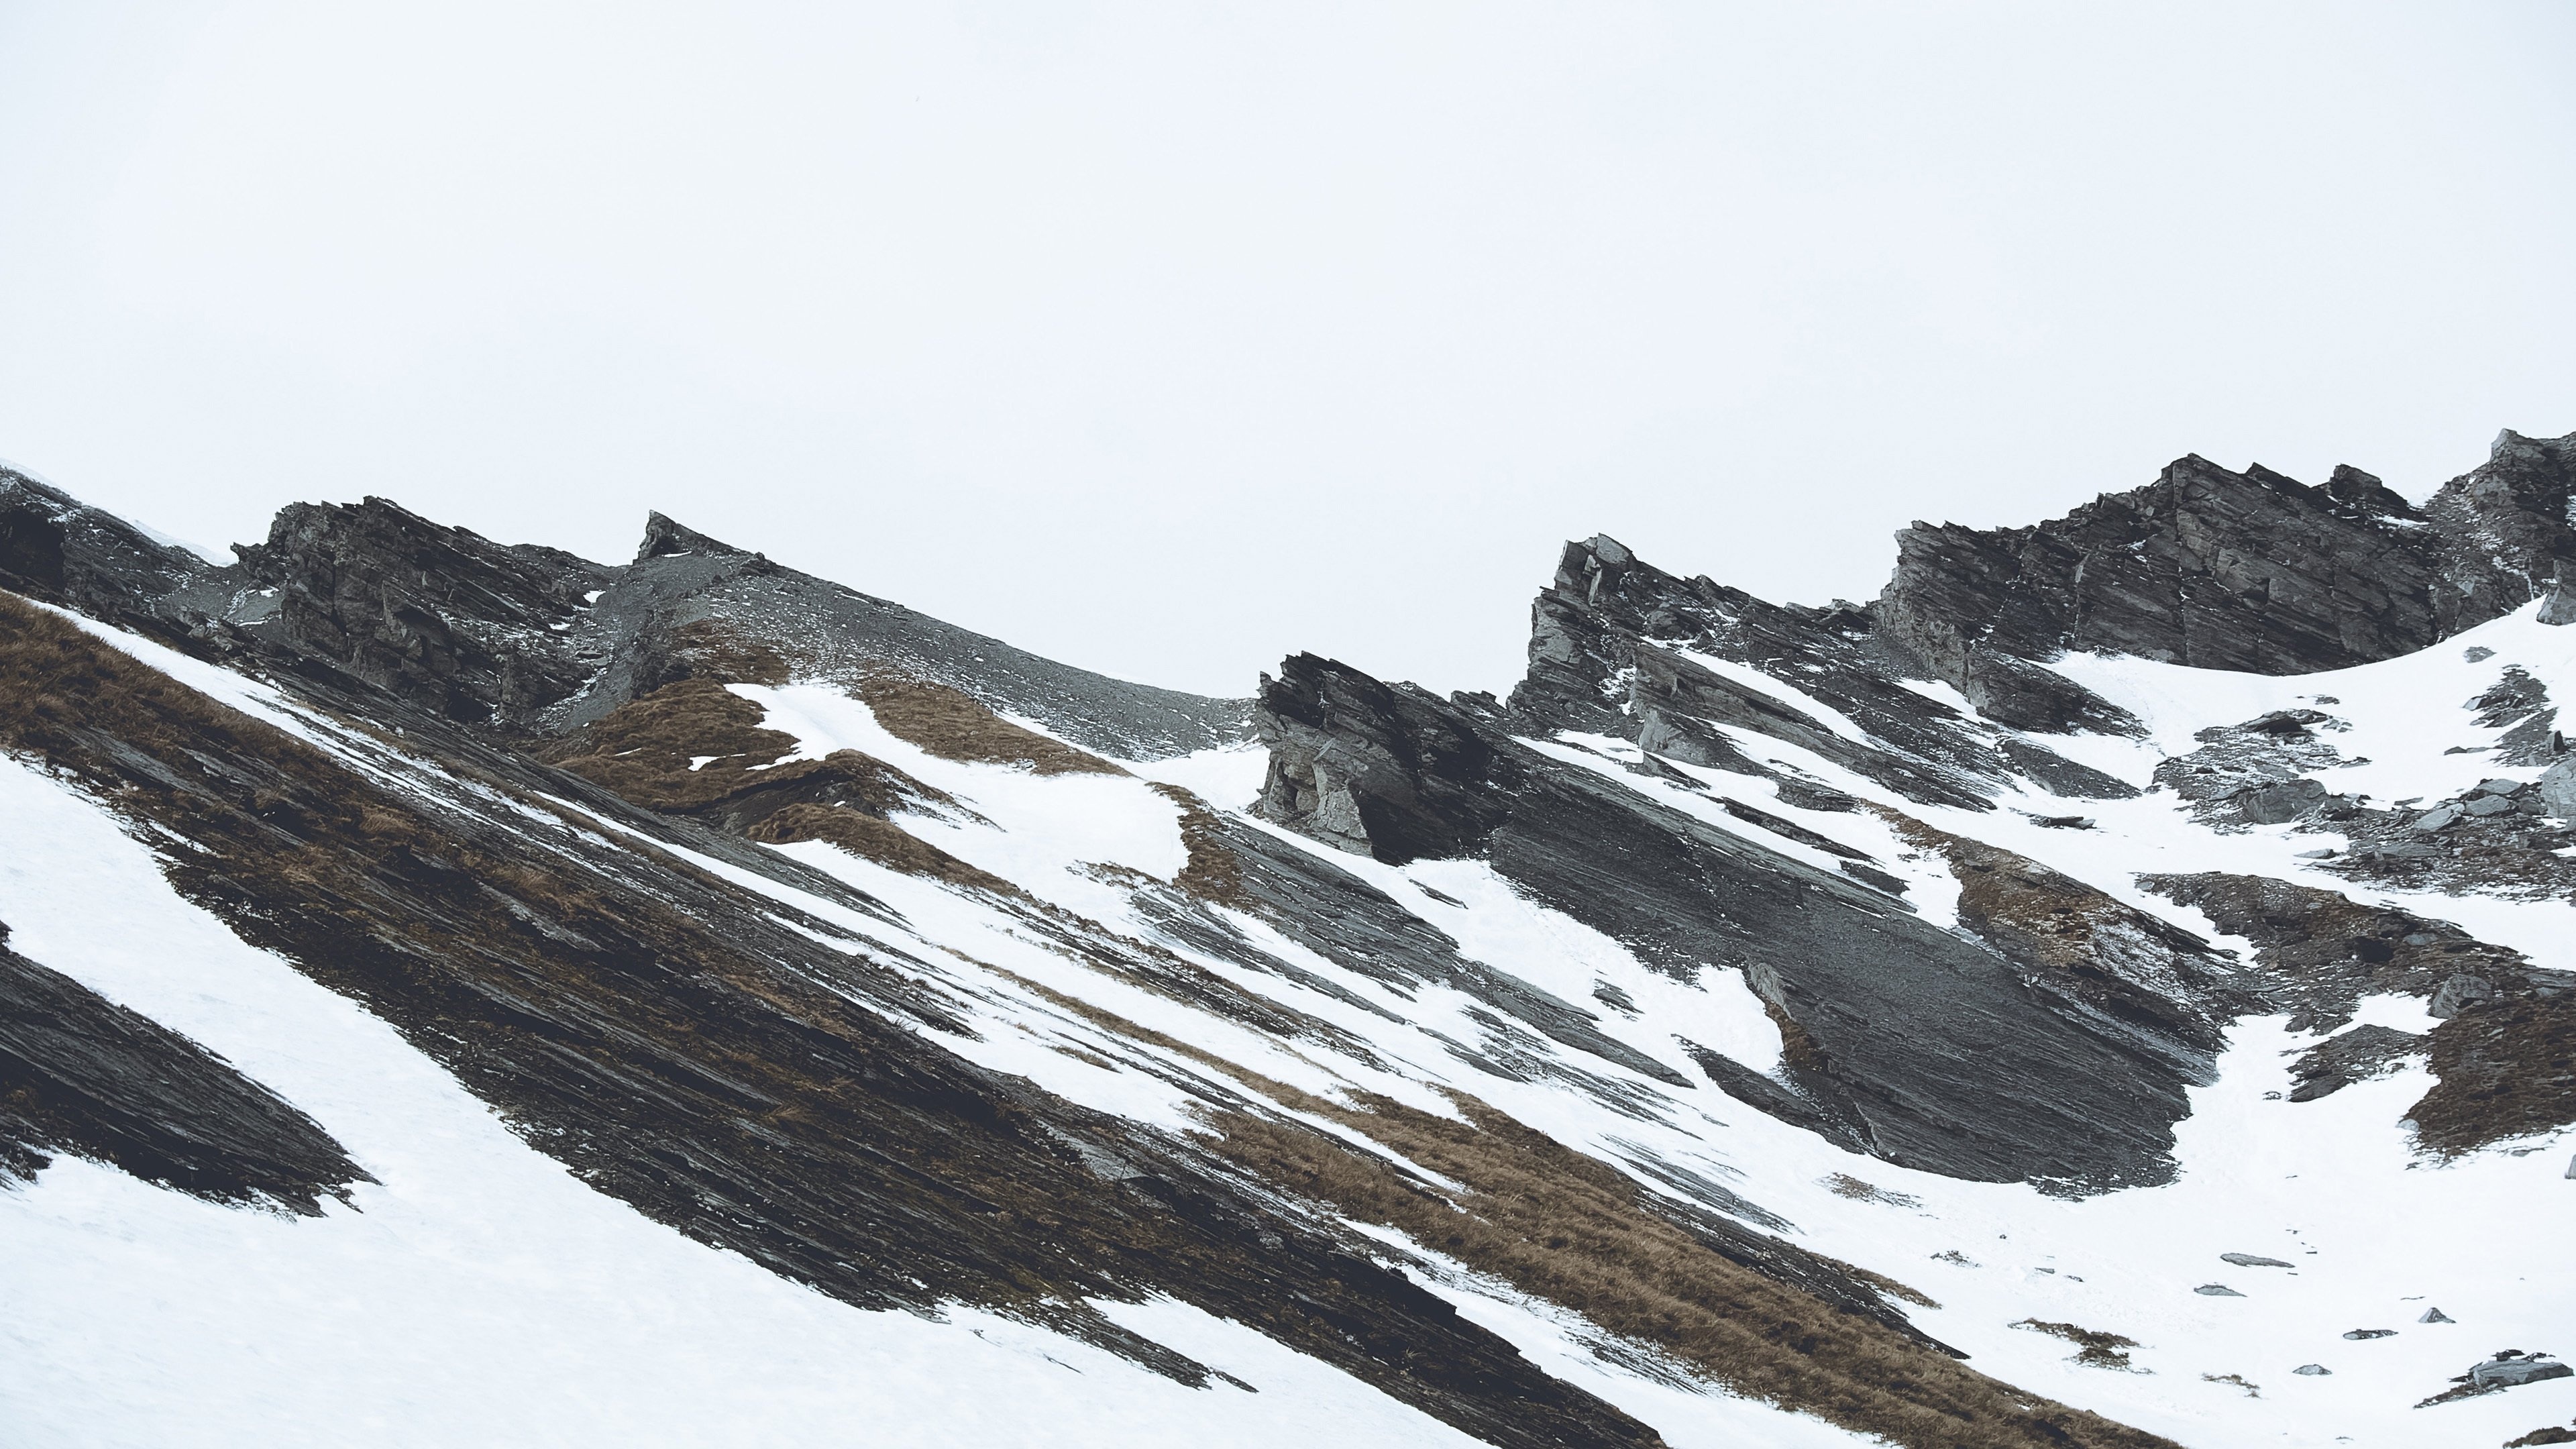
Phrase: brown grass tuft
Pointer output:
(1212, 873)
(873, 839)
(2095, 1349)
(955, 725)
(1565, 1227)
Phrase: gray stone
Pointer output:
(2312, 1370)
(2361, 1333)
(2502, 787)
(2216, 1290)
(2560, 606)
(2436, 1315)
(2440, 817)
(2511, 1370)
(2399, 850)
(2279, 804)
(2487, 806)
(2558, 788)
(2459, 994)
(2250, 1260)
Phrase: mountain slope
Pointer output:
(1762, 1028)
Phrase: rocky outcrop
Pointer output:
(56, 548)
(2248, 571)
(480, 632)
(1619, 647)
(82, 1075)
(1936, 1052)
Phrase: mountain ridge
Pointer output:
(1517, 1058)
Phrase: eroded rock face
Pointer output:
(1933, 1051)
(82, 1075)
(1619, 647)
(443, 617)
(2248, 571)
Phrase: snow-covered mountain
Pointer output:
(2117, 988)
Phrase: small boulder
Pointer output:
(2250, 1260)
(2486, 806)
(2282, 803)
(2216, 1290)
(2436, 1315)
(2361, 1333)
(2440, 817)
(2509, 1370)
(2506, 788)
(2558, 788)
(2312, 1370)
(2459, 994)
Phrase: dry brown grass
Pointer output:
(2094, 1349)
(1212, 872)
(706, 647)
(2507, 1069)
(870, 838)
(644, 749)
(1564, 1227)
(955, 725)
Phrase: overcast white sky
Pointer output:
(1169, 339)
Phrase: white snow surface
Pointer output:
(481, 1294)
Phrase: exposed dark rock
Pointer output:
(2504, 1064)
(1610, 649)
(1834, 1122)
(478, 631)
(2252, 1260)
(56, 548)
(2458, 994)
(2353, 1056)
(2519, 705)
(82, 1075)
(2248, 571)
(2321, 951)
(2260, 772)
(1952, 1057)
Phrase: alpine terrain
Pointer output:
(2117, 988)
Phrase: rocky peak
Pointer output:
(443, 617)
(2251, 571)
(1619, 647)
(665, 536)
(57, 548)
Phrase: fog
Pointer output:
(1169, 339)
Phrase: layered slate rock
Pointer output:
(2248, 571)
(81, 1075)
(1933, 1051)
(56, 548)
(527, 643)
(443, 617)
(692, 606)
(1620, 647)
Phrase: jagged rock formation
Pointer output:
(1619, 647)
(2220, 570)
(901, 963)
(1934, 1052)
(525, 641)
